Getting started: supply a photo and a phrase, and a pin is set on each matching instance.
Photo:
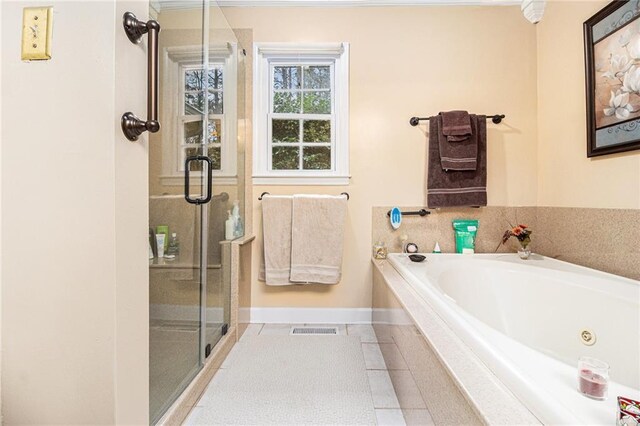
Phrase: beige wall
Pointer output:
(566, 177)
(406, 62)
(1, 417)
(131, 364)
(74, 306)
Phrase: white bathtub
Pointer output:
(523, 320)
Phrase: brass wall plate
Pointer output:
(37, 30)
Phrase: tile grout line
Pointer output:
(402, 410)
(412, 377)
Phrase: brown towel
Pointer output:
(461, 155)
(456, 188)
(456, 125)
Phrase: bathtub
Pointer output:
(524, 319)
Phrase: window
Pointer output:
(301, 114)
(193, 111)
(192, 101)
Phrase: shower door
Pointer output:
(188, 292)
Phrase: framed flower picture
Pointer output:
(612, 60)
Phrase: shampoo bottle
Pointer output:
(160, 242)
(238, 228)
(173, 249)
(229, 227)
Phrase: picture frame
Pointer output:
(612, 71)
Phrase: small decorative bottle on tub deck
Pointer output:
(380, 250)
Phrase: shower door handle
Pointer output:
(198, 201)
(132, 126)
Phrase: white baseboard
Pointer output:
(306, 315)
(244, 315)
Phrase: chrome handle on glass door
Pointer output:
(132, 126)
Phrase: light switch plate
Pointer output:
(37, 24)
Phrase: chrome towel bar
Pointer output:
(266, 193)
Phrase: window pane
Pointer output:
(317, 102)
(193, 80)
(285, 131)
(193, 132)
(317, 158)
(214, 154)
(215, 78)
(214, 128)
(317, 77)
(215, 103)
(194, 166)
(286, 77)
(197, 166)
(285, 158)
(286, 102)
(317, 131)
(193, 103)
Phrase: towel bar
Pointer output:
(421, 212)
(266, 193)
(497, 119)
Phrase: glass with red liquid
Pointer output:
(593, 378)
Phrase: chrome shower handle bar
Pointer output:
(132, 126)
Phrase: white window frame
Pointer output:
(337, 56)
(184, 118)
(175, 60)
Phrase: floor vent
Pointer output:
(314, 330)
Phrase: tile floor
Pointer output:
(403, 405)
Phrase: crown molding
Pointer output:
(190, 4)
(362, 3)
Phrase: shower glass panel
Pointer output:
(224, 53)
(175, 282)
(201, 103)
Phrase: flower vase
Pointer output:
(524, 251)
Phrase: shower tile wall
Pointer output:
(170, 280)
(178, 215)
(425, 231)
(603, 239)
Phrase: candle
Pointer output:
(593, 384)
(593, 378)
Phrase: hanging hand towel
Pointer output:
(456, 188)
(317, 238)
(456, 125)
(461, 155)
(276, 230)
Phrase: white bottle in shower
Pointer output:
(238, 228)
(229, 227)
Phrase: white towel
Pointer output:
(317, 238)
(276, 231)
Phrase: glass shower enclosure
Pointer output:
(196, 176)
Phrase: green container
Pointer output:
(465, 230)
(164, 229)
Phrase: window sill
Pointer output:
(302, 180)
(179, 180)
